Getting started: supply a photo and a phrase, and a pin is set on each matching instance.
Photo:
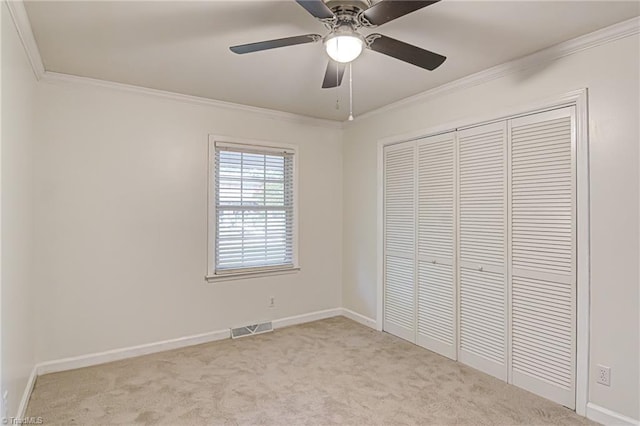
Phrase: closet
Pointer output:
(480, 248)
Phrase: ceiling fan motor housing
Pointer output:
(346, 12)
(358, 4)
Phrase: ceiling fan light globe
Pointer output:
(344, 48)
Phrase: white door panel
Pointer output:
(436, 244)
(399, 240)
(482, 248)
(543, 268)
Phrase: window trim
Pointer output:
(258, 271)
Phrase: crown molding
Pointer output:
(597, 38)
(61, 78)
(25, 33)
(23, 26)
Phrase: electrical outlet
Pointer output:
(272, 302)
(604, 375)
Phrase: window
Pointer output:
(251, 209)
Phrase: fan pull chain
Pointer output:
(337, 88)
(350, 93)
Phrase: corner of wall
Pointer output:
(17, 201)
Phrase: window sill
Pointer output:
(250, 274)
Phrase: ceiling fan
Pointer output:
(343, 43)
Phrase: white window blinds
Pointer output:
(253, 208)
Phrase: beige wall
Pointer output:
(610, 72)
(118, 232)
(18, 107)
(121, 223)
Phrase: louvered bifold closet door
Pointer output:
(436, 222)
(483, 248)
(399, 240)
(543, 254)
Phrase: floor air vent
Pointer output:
(250, 330)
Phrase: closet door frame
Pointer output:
(577, 98)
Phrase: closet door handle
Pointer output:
(434, 261)
(481, 269)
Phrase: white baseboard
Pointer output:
(89, 360)
(301, 319)
(369, 322)
(594, 412)
(123, 353)
(607, 417)
(117, 354)
(26, 395)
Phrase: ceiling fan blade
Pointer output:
(405, 52)
(272, 44)
(317, 8)
(333, 76)
(388, 10)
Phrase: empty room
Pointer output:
(320, 212)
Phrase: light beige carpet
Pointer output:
(333, 371)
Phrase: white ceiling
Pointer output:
(182, 46)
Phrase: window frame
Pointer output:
(257, 271)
